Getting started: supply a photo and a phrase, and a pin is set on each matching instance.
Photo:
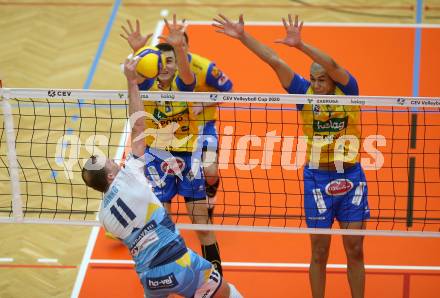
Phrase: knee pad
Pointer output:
(211, 190)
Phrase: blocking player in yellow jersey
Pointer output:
(172, 134)
(334, 182)
(209, 78)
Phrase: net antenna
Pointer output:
(17, 207)
(47, 133)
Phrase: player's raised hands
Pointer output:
(225, 26)
(293, 32)
(175, 36)
(134, 37)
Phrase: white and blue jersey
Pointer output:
(132, 212)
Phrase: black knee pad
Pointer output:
(211, 190)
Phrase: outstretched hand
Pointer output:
(175, 36)
(293, 32)
(225, 26)
(134, 37)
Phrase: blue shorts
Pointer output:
(210, 137)
(173, 173)
(329, 194)
(182, 277)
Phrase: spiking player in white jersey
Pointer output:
(132, 212)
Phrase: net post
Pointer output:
(17, 207)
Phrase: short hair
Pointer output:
(95, 178)
(165, 47)
(316, 67)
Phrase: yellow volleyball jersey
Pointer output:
(169, 124)
(209, 79)
(330, 122)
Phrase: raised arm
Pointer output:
(135, 108)
(236, 30)
(293, 39)
(176, 38)
(134, 38)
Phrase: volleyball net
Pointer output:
(47, 134)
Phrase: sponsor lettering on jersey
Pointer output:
(146, 237)
(162, 282)
(338, 187)
(172, 165)
(331, 125)
(173, 120)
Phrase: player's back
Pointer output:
(131, 212)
